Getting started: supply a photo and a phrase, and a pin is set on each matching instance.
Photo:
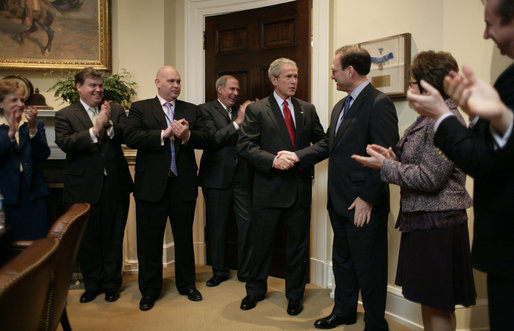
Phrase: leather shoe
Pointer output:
(215, 280)
(112, 295)
(147, 302)
(249, 302)
(294, 307)
(193, 294)
(332, 320)
(89, 296)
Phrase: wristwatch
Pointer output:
(108, 125)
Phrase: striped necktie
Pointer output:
(169, 118)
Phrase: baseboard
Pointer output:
(320, 273)
(408, 313)
(402, 310)
(168, 256)
(130, 266)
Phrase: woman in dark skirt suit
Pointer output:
(22, 147)
(434, 267)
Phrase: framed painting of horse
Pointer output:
(55, 34)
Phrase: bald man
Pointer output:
(165, 131)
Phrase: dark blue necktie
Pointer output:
(346, 106)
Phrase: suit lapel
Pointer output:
(158, 113)
(82, 115)
(219, 108)
(278, 119)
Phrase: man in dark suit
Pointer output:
(358, 201)
(279, 122)
(91, 133)
(224, 178)
(485, 152)
(165, 131)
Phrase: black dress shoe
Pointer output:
(193, 295)
(112, 295)
(332, 320)
(89, 296)
(216, 280)
(147, 302)
(294, 307)
(249, 302)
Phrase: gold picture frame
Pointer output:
(390, 64)
(68, 34)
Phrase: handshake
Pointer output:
(285, 160)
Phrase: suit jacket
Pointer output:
(263, 134)
(29, 153)
(145, 122)
(86, 161)
(473, 151)
(429, 182)
(220, 157)
(370, 120)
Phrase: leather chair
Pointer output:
(68, 230)
(24, 286)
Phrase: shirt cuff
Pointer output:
(94, 139)
(110, 132)
(501, 141)
(441, 119)
(162, 137)
(235, 125)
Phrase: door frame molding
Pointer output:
(195, 13)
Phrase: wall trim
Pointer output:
(408, 313)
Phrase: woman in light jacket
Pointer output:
(434, 267)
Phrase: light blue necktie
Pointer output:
(169, 119)
(346, 106)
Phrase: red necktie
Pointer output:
(289, 122)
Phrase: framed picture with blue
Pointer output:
(390, 64)
(55, 34)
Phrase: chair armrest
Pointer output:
(19, 246)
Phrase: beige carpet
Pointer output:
(219, 309)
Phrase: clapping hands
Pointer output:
(177, 128)
(377, 155)
(103, 117)
(477, 98)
